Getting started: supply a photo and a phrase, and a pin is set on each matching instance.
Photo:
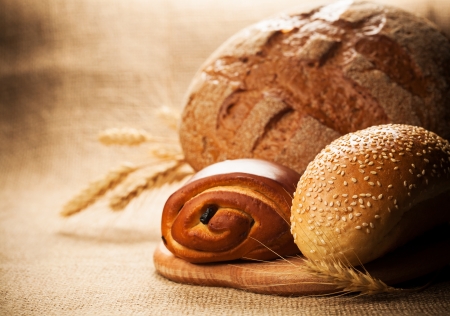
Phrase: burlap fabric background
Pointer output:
(69, 69)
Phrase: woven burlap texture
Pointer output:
(69, 69)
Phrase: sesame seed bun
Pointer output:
(371, 191)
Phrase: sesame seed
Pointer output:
(338, 230)
(371, 183)
(366, 178)
(390, 186)
(373, 172)
(354, 180)
(377, 216)
(358, 227)
(365, 224)
(380, 196)
(372, 225)
(358, 214)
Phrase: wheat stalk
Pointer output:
(167, 152)
(97, 189)
(169, 175)
(347, 278)
(170, 115)
(124, 136)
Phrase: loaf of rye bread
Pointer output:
(284, 88)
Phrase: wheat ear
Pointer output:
(346, 278)
(169, 175)
(97, 189)
(124, 136)
(170, 115)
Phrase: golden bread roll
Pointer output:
(370, 192)
(231, 210)
(308, 78)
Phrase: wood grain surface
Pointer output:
(287, 277)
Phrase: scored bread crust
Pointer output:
(371, 191)
(283, 88)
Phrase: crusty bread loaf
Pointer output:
(371, 191)
(284, 88)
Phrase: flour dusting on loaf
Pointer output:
(371, 191)
(284, 88)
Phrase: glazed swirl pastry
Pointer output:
(231, 210)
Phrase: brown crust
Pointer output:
(371, 191)
(284, 88)
(252, 211)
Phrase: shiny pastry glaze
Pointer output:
(232, 210)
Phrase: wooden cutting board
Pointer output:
(287, 277)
